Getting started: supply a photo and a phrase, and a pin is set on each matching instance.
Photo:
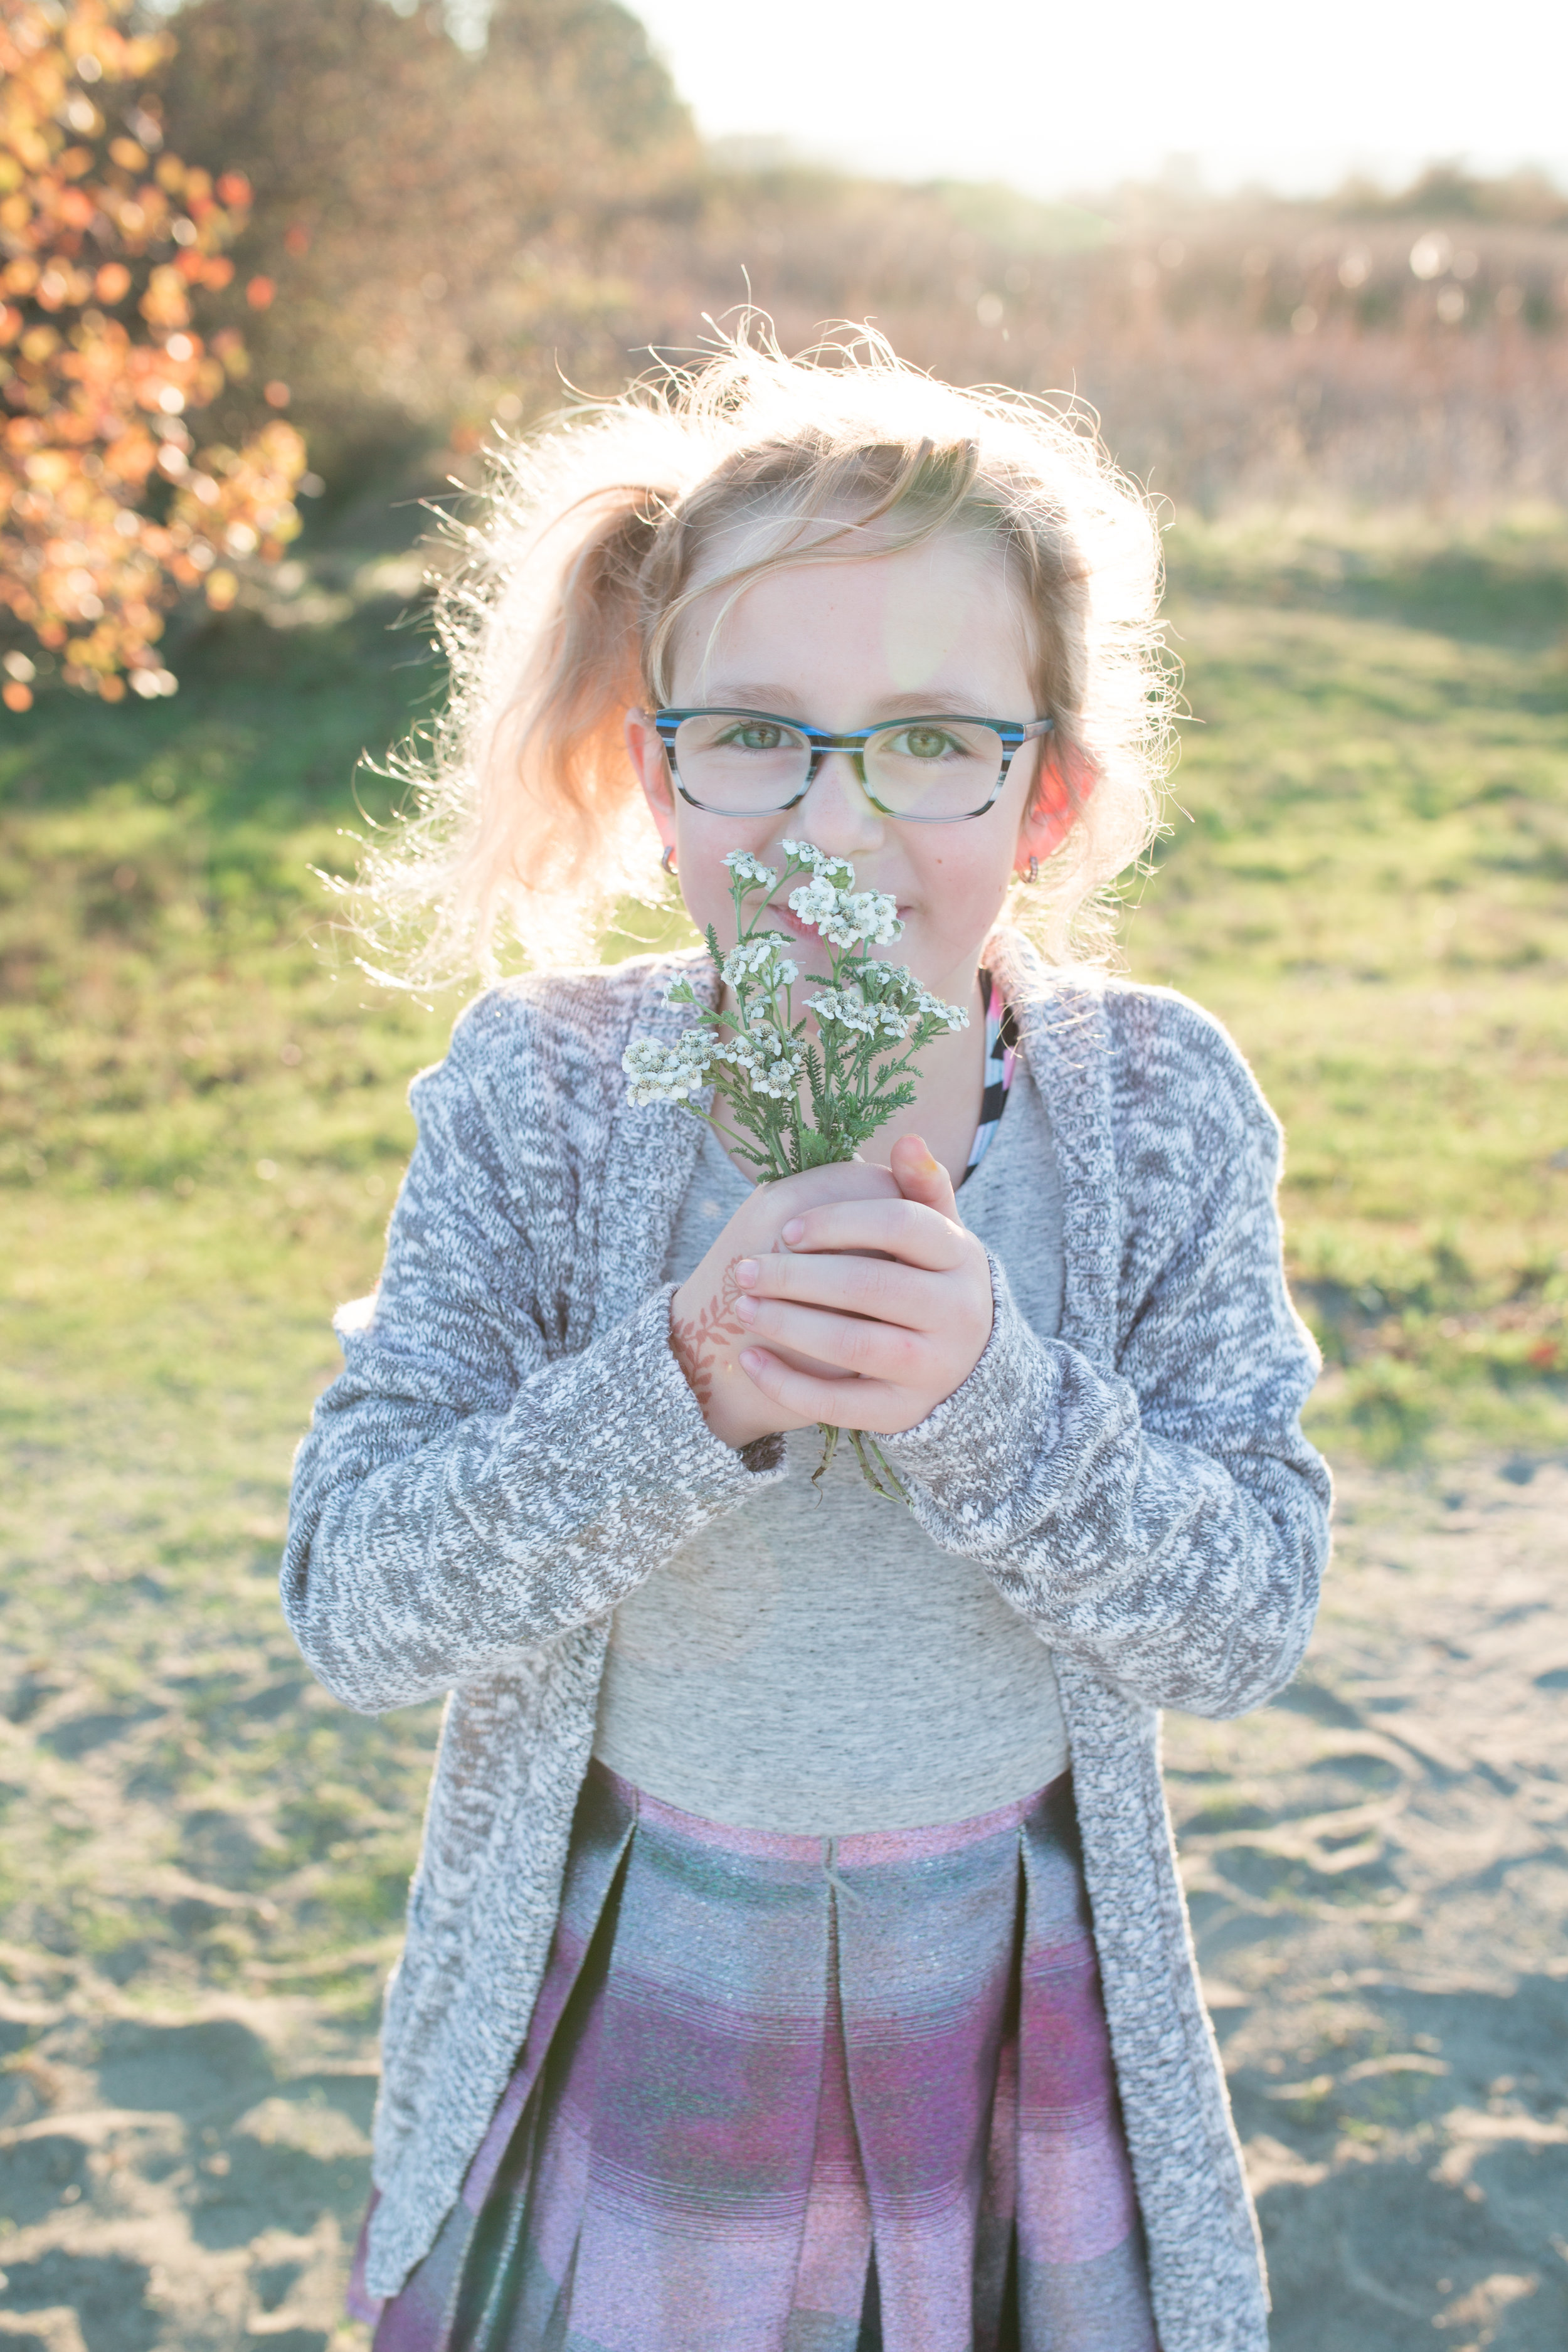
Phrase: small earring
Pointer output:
(1032, 873)
(667, 863)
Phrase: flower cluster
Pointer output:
(931, 1008)
(844, 917)
(885, 1000)
(759, 964)
(837, 870)
(667, 1073)
(846, 1007)
(799, 1103)
(775, 1064)
(744, 868)
(830, 903)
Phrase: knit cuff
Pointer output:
(973, 1446)
(667, 1447)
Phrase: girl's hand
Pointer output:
(706, 1331)
(896, 1291)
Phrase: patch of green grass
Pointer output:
(203, 1121)
(202, 1127)
(1367, 882)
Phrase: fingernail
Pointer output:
(925, 1165)
(745, 1272)
(794, 1230)
(751, 1359)
(746, 1309)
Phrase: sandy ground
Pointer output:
(1380, 1884)
(1378, 1868)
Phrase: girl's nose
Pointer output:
(836, 812)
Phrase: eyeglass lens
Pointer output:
(935, 769)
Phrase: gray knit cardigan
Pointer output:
(511, 1448)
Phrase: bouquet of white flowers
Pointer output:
(801, 1103)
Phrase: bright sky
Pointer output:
(1058, 98)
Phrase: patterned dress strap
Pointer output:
(1001, 1060)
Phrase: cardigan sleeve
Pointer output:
(1165, 1522)
(466, 1491)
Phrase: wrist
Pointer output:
(734, 1408)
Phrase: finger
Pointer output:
(843, 1404)
(920, 1176)
(841, 1179)
(883, 1351)
(880, 1286)
(905, 1230)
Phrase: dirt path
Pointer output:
(1379, 1868)
(1379, 1873)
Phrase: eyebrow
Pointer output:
(779, 701)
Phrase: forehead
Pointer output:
(898, 618)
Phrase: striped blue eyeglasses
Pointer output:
(935, 771)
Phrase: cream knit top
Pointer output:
(814, 1662)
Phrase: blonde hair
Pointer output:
(526, 826)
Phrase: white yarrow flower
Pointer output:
(747, 868)
(660, 1073)
(815, 902)
(772, 1062)
(955, 1016)
(848, 1008)
(761, 963)
(857, 915)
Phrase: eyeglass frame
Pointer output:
(1014, 733)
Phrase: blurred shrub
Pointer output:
(446, 227)
(109, 512)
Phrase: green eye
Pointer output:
(755, 735)
(925, 742)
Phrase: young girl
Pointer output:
(796, 1957)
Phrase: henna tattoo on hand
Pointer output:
(695, 1341)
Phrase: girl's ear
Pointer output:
(1067, 777)
(648, 757)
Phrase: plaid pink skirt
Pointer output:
(796, 2094)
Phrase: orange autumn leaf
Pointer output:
(164, 304)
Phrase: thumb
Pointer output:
(921, 1178)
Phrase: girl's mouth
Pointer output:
(788, 920)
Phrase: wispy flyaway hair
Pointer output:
(525, 825)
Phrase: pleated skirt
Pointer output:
(794, 2094)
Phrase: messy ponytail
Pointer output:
(525, 827)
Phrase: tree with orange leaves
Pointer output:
(110, 513)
